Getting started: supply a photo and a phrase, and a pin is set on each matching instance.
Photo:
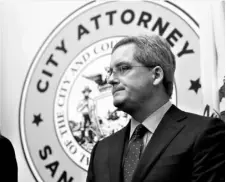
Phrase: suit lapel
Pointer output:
(116, 149)
(166, 131)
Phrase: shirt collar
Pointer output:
(152, 121)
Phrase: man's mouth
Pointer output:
(114, 90)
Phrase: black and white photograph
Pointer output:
(112, 91)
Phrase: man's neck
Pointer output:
(147, 109)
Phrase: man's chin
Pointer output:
(118, 103)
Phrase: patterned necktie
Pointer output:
(134, 151)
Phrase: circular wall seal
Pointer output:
(66, 104)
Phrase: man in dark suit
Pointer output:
(161, 143)
(8, 164)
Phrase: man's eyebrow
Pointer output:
(121, 63)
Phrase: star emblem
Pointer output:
(195, 85)
(37, 119)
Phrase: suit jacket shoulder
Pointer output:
(8, 163)
(201, 124)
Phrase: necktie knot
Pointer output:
(140, 131)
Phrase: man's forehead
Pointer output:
(124, 49)
(122, 55)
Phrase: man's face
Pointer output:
(132, 87)
(86, 94)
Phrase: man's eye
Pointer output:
(124, 68)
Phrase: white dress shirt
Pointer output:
(151, 123)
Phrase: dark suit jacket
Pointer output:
(184, 148)
(8, 164)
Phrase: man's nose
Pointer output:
(112, 80)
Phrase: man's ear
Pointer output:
(158, 75)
